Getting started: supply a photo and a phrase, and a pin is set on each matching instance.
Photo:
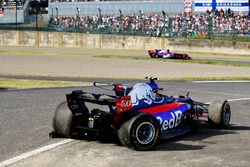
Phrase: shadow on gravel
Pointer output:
(172, 146)
(239, 128)
(202, 132)
(3, 89)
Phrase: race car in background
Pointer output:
(166, 54)
(137, 114)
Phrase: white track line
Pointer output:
(241, 99)
(232, 100)
(52, 146)
(211, 92)
(221, 81)
(34, 152)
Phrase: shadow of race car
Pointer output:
(138, 115)
(166, 54)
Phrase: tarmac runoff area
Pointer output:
(61, 62)
(24, 137)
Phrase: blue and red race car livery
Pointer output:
(167, 54)
(165, 109)
(138, 114)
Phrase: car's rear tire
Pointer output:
(185, 57)
(219, 113)
(62, 120)
(141, 132)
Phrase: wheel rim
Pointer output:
(145, 133)
(226, 115)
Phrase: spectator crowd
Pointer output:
(153, 24)
(148, 24)
(215, 22)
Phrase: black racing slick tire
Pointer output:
(62, 120)
(219, 113)
(185, 57)
(141, 132)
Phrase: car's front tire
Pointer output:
(219, 113)
(141, 132)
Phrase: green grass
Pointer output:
(196, 61)
(29, 83)
(64, 76)
(212, 53)
(52, 53)
(210, 78)
(220, 62)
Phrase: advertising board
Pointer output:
(235, 5)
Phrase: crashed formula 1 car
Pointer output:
(137, 114)
(166, 54)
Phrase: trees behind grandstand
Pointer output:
(40, 6)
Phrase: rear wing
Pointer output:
(101, 99)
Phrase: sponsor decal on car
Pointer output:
(124, 104)
(142, 92)
(172, 121)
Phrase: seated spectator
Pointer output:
(153, 24)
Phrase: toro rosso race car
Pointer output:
(161, 53)
(137, 114)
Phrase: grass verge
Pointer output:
(212, 53)
(210, 79)
(29, 83)
(196, 61)
(75, 83)
(228, 38)
(55, 53)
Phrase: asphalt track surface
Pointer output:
(25, 122)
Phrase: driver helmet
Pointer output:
(153, 86)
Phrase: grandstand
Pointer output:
(81, 7)
(17, 11)
(12, 4)
(145, 17)
(13, 11)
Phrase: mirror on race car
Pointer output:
(152, 79)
